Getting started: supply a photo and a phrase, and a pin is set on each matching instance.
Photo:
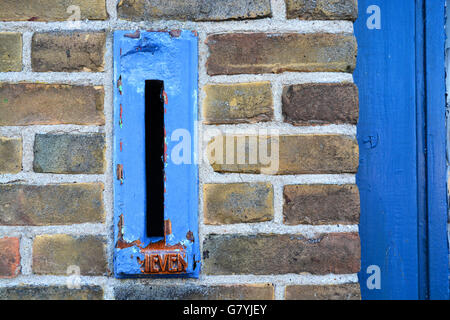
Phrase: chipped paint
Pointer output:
(119, 172)
(120, 116)
(190, 236)
(157, 253)
(121, 243)
(135, 35)
(175, 33)
(119, 84)
(144, 45)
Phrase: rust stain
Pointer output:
(119, 85)
(120, 173)
(135, 35)
(175, 33)
(121, 243)
(159, 258)
(161, 246)
(190, 236)
(166, 99)
(163, 259)
(165, 145)
(120, 116)
(156, 30)
(167, 227)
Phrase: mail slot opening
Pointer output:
(154, 155)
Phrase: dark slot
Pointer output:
(154, 156)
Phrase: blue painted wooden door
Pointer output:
(401, 133)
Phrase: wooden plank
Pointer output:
(436, 149)
(387, 176)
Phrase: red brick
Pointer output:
(9, 257)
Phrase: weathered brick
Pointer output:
(69, 153)
(68, 51)
(10, 155)
(52, 10)
(53, 254)
(238, 103)
(320, 103)
(337, 253)
(324, 292)
(33, 292)
(25, 104)
(132, 291)
(322, 9)
(238, 203)
(196, 10)
(59, 204)
(297, 154)
(235, 53)
(9, 257)
(10, 51)
(321, 204)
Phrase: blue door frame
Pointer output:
(402, 136)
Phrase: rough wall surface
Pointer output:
(264, 65)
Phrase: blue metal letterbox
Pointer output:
(156, 175)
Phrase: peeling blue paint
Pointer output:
(154, 55)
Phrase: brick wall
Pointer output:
(267, 64)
